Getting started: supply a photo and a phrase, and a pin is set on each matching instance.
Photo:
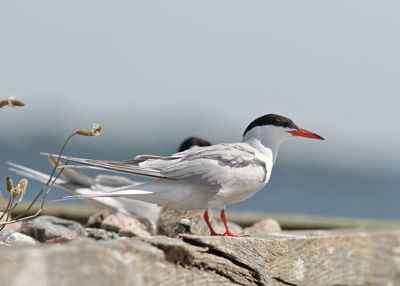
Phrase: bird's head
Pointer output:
(275, 129)
(193, 142)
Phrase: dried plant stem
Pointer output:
(9, 210)
(22, 217)
(49, 187)
(19, 190)
(59, 157)
(49, 184)
(7, 207)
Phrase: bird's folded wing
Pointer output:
(212, 167)
(110, 182)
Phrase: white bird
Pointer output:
(206, 177)
(77, 183)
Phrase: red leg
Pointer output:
(228, 232)
(206, 218)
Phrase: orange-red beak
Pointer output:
(306, 134)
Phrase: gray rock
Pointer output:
(170, 223)
(100, 234)
(125, 225)
(47, 228)
(263, 226)
(96, 219)
(11, 237)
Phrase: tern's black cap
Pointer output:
(271, 119)
(193, 141)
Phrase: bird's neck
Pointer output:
(264, 140)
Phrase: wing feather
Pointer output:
(212, 167)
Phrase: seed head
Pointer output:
(23, 185)
(96, 130)
(20, 188)
(11, 102)
(9, 184)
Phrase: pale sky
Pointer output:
(159, 70)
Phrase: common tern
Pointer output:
(205, 177)
(77, 183)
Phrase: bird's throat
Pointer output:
(265, 142)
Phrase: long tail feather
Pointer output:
(128, 167)
(115, 193)
(31, 173)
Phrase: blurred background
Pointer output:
(155, 72)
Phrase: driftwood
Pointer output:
(312, 258)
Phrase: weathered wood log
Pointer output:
(312, 258)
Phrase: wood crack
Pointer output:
(255, 275)
(283, 281)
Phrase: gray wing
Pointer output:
(211, 168)
(110, 182)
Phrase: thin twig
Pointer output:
(7, 207)
(59, 157)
